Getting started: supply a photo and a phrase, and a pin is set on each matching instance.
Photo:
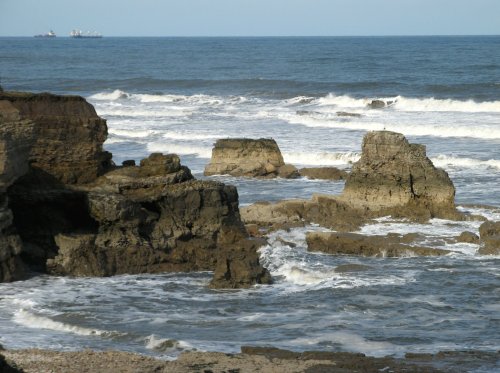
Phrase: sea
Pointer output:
(179, 95)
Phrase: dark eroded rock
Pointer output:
(357, 244)
(489, 232)
(325, 173)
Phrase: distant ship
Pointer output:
(79, 34)
(50, 34)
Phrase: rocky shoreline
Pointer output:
(251, 359)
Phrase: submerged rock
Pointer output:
(324, 173)
(250, 158)
(489, 232)
(358, 244)
(77, 214)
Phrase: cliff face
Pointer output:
(76, 214)
(68, 135)
(16, 138)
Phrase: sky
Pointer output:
(251, 17)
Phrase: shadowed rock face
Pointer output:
(250, 158)
(78, 215)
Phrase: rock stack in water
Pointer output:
(77, 214)
(249, 158)
(393, 177)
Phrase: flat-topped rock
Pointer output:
(361, 245)
(250, 158)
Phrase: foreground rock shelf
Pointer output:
(66, 209)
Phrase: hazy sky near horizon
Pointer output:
(251, 17)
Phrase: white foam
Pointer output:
(352, 342)
(202, 152)
(321, 159)
(449, 161)
(130, 132)
(164, 344)
(31, 320)
(115, 95)
(171, 135)
(402, 103)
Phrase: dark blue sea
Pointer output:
(179, 95)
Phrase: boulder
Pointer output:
(380, 104)
(361, 245)
(468, 237)
(489, 232)
(325, 173)
(249, 158)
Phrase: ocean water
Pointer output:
(179, 95)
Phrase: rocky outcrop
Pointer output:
(357, 244)
(16, 138)
(68, 135)
(249, 158)
(489, 232)
(393, 177)
(380, 104)
(468, 237)
(324, 173)
(79, 215)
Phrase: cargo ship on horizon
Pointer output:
(79, 34)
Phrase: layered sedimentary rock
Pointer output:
(77, 214)
(250, 158)
(489, 232)
(393, 177)
(16, 138)
(68, 135)
(358, 244)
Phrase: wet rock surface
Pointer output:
(377, 246)
(324, 173)
(489, 232)
(251, 359)
(250, 158)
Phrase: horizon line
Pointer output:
(264, 36)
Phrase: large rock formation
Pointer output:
(77, 214)
(250, 158)
(392, 177)
(358, 244)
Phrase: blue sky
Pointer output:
(251, 17)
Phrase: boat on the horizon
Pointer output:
(79, 34)
(50, 34)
